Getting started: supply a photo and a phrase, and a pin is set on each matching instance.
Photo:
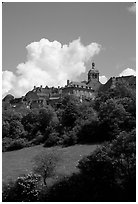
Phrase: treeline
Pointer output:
(71, 122)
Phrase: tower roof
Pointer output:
(93, 70)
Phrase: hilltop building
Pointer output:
(111, 83)
(40, 96)
(85, 90)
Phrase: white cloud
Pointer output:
(132, 8)
(8, 79)
(49, 63)
(103, 79)
(128, 72)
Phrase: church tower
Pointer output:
(93, 77)
(93, 74)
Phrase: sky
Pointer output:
(46, 43)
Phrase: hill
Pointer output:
(20, 162)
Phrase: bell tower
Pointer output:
(93, 74)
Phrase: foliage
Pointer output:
(74, 122)
(24, 189)
(9, 115)
(88, 132)
(53, 139)
(113, 166)
(39, 120)
(9, 144)
(121, 90)
(6, 142)
(70, 106)
(47, 116)
(38, 139)
(112, 117)
(107, 175)
(16, 130)
(5, 128)
(69, 138)
(44, 165)
(31, 124)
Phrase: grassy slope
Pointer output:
(19, 162)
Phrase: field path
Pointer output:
(19, 162)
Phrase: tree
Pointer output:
(111, 169)
(112, 117)
(70, 106)
(121, 90)
(42, 120)
(11, 114)
(24, 189)
(16, 130)
(31, 123)
(47, 117)
(44, 165)
(5, 128)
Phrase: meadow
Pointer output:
(20, 162)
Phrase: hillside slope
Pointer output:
(20, 162)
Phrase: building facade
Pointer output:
(86, 89)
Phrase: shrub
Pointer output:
(6, 141)
(107, 175)
(89, 132)
(5, 128)
(38, 139)
(16, 144)
(53, 139)
(17, 130)
(67, 189)
(112, 169)
(69, 138)
(24, 189)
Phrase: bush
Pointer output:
(5, 129)
(6, 141)
(17, 130)
(107, 175)
(53, 139)
(69, 138)
(24, 189)
(112, 169)
(38, 139)
(89, 132)
(67, 189)
(11, 145)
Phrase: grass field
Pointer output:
(20, 162)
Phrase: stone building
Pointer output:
(86, 89)
(40, 96)
(111, 83)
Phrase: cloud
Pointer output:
(7, 81)
(128, 72)
(49, 63)
(132, 8)
(103, 79)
